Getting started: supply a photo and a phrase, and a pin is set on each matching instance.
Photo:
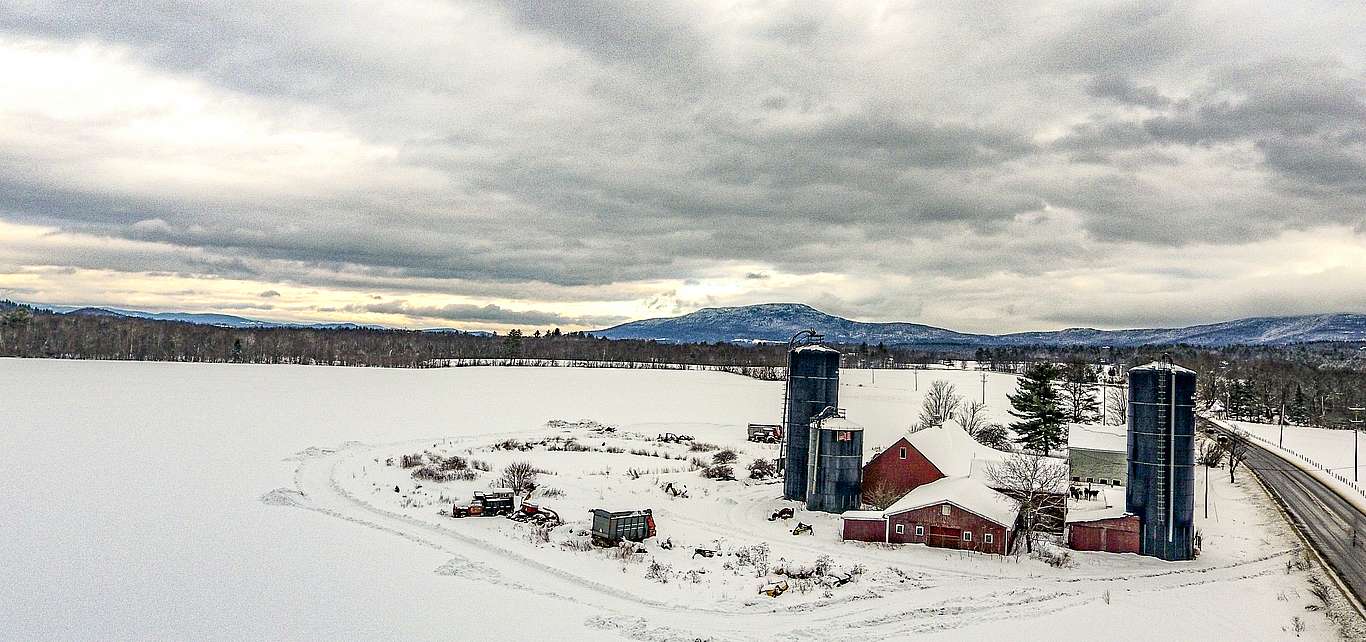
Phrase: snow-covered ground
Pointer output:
(190, 501)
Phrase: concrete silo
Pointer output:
(1161, 488)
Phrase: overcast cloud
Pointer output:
(493, 165)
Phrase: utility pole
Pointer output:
(916, 372)
(984, 387)
(1356, 422)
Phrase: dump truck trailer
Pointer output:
(611, 527)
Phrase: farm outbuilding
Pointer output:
(1098, 454)
(957, 512)
(1107, 531)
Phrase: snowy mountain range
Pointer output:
(777, 322)
(221, 320)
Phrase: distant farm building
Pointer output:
(1097, 454)
(954, 512)
(1111, 531)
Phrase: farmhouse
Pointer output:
(1097, 454)
(954, 512)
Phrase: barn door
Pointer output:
(945, 537)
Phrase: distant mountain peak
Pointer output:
(776, 322)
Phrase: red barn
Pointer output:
(1111, 531)
(956, 512)
(896, 471)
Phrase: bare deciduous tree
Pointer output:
(1116, 406)
(1038, 485)
(520, 476)
(1236, 451)
(939, 404)
(882, 495)
(972, 416)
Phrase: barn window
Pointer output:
(987, 538)
(945, 510)
(1104, 482)
(967, 536)
(919, 531)
(844, 435)
(903, 452)
(900, 529)
(1075, 478)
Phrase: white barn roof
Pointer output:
(964, 492)
(1097, 437)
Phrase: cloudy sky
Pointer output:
(493, 165)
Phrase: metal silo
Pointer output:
(1161, 487)
(812, 386)
(835, 464)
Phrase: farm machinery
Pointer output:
(613, 527)
(536, 514)
(764, 433)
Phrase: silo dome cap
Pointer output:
(815, 347)
(1162, 365)
(839, 423)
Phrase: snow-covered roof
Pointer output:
(861, 514)
(1161, 365)
(1218, 406)
(951, 450)
(815, 347)
(1076, 516)
(964, 492)
(839, 423)
(1097, 437)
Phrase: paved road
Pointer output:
(1335, 528)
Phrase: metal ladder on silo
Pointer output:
(1163, 472)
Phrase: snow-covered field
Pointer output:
(190, 501)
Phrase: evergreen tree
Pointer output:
(1035, 403)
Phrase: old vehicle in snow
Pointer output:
(496, 501)
(671, 438)
(803, 529)
(774, 589)
(611, 527)
(765, 433)
(536, 514)
(781, 513)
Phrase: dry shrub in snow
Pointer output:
(702, 447)
(726, 456)
(411, 461)
(697, 462)
(479, 464)
(658, 572)
(720, 473)
(634, 473)
(762, 469)
(454, 462)
(551, 492)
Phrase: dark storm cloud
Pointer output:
(486, 313)
(1125, 90)
(572, 151)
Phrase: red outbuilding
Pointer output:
(1110, 531)
(954, 512)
